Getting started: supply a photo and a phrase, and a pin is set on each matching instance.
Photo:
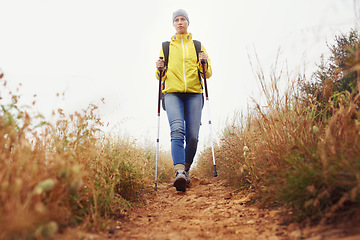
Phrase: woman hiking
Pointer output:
(183, 96)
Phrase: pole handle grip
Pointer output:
(160, 68)
(202, 60)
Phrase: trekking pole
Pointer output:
(158, 133)
(209, 115)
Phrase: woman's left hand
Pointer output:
(202, 56)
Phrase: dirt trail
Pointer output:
(207, 210)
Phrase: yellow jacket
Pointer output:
(181, 74)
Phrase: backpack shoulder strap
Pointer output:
(197, 45)
(165, 47)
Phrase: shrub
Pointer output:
(65, 171)
(299, 151)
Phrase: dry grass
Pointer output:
(290, 155)
(55, 175)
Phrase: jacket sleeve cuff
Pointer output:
(163, 74)
(201, 68)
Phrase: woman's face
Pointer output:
(181, 25)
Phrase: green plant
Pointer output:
(65, 171)
(302, 149)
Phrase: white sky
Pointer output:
(91, 49)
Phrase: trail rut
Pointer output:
(208, 210)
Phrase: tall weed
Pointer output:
(66, 171)
(292, 155)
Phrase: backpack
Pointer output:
(165, 47)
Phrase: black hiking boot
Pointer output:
(180, 181)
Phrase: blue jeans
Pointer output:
(184, 115)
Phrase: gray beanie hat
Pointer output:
(180, 12)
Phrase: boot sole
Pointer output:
(180, 184)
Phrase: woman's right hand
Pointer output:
(160, 63)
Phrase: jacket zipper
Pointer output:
(182, 43)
